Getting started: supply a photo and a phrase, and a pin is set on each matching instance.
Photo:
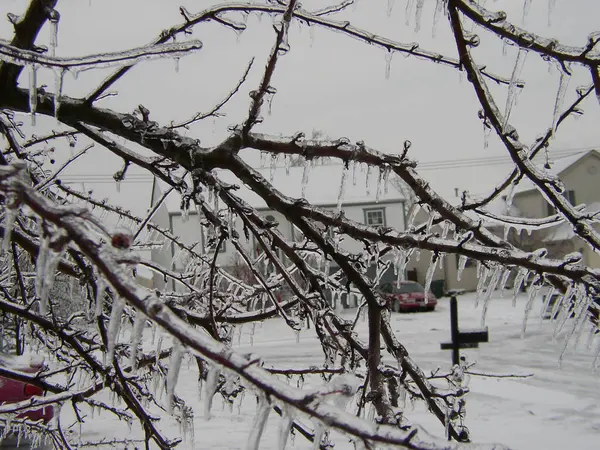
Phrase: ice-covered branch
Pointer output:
(496, 22)
(20, 57)
(548, 185)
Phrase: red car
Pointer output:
(408, 296)
(12, 391)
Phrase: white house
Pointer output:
(366, 198)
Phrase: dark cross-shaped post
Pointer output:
(464, 339)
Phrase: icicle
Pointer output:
(319, 431)
(176, 61)
(408, 11)
(512, 87)
(504, 280)
(136, 337)
(285, 427)
(487, 131)
(517, 285)
(482, 276)
(342, 188)
(10, 215)
(429, 276)
(413, 215)
(59, 77)
(579, 316)
(100, 288)
(560, 97)
(114, 325)
(439, 9)
(489, 291)
(367, 176)
(354, 165)
(388, 63)
(53, 33)
(305, 177)
(260, 421)
(418, 14)
(379, 185)
(272, 168)
(533, 292)
(173, 374)
(526, 6)
(551, 5)
(51, 264)
(32, 92)
(39, 269)
(210, 389)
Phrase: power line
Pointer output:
(427, 165)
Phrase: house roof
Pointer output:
(558, 165)
(322, 187)
(564, 231)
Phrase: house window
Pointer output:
(569, 195)
(211, 239)
(375, 217)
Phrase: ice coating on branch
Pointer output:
(533, 292)
(173, 375)
(512, 87)
(210, 388)
(340, 198)
(32, 92)
(388, 63)
(20, 57)
(418, 14)
(114, 325)
(563, 84)
(136, 337)
(285, 426)
(260, 421)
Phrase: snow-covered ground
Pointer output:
(556, 408)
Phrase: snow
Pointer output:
(556, 408)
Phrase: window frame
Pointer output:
(381, 209)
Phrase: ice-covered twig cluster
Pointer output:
(67, 278)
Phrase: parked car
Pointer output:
(12, 391)
(408, 296)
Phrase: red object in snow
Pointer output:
(408, 296)
(13, 391)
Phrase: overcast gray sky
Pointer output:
(328, 82)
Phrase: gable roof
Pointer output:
(558, 166)
(322, 187)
